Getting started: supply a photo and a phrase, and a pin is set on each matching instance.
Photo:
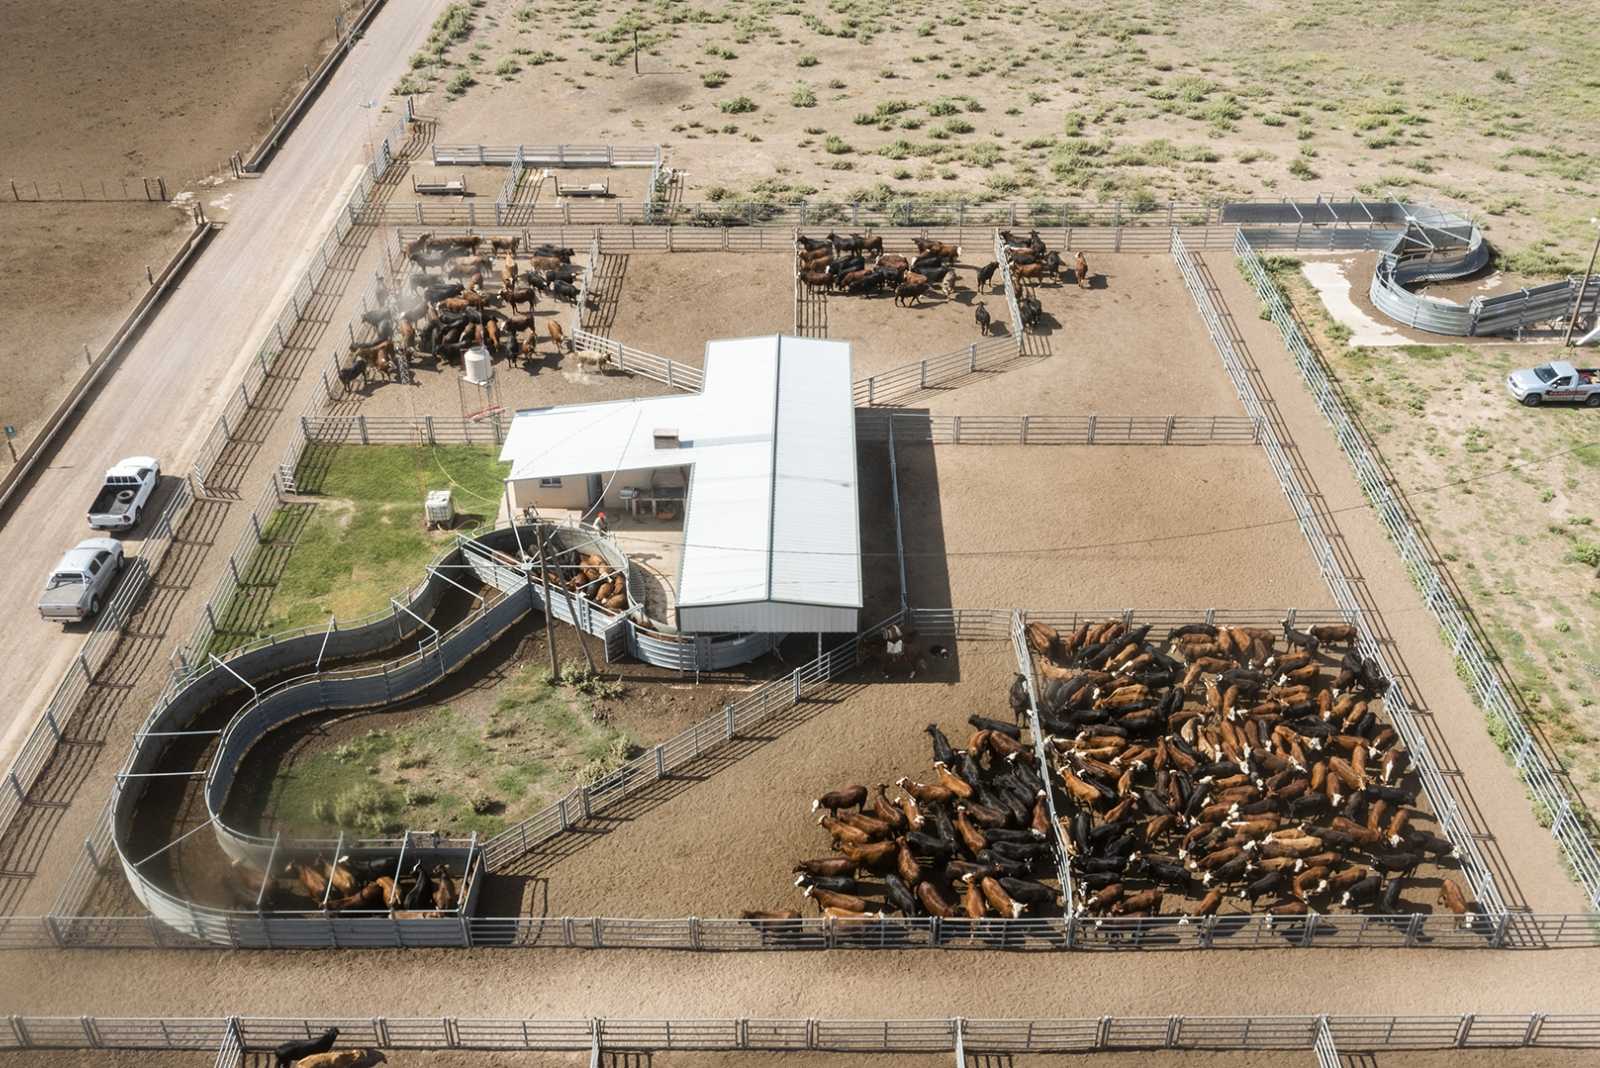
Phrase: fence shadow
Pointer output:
(107, 712)
(1349, 565)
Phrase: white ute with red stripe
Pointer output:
(1555, 381)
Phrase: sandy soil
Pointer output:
(884, 336)
(671, 304)
(1257, 101)
(723, 837)
(1133, 345)
(1100, 526)
(127, 90)
(50, 251)
(108, 1058)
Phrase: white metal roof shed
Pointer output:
(772, 532)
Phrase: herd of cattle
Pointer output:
(973, 841)
(591, 577)
(450, 311)
(372, 886)
(856, 265)
(1219, 766)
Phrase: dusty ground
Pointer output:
(50, 251)
(1505, 495)
(1132, 100)
(1133, 345)
(108, 1058)
(1100, 527)
(118, 90)
(884, 336)
(744, 813)
(671, 304)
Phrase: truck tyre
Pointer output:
(94, 605)
(1532, 400)
(1592, 401)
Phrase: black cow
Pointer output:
(286, 1053)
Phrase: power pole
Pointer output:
(1577, 305)
(636, 50)
(549, 609)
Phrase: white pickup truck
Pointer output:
(82, 581)
(1557, 380)
(124, 493)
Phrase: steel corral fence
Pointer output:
(581, 305)
(25, 190)
(1019, 646)
(1538, 768)
(548, 155)
(1447, 808)
(97, 649)
(1010, 284)
(637, 361)
(233, 1035)
(916, 427)
(892, 387)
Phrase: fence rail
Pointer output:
(1446, 806)
(548, 155)
(1538, 768)
(1364, 1034)
(27, 191)
(872, 424)
(47, 734)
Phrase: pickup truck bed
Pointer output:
(115, 501)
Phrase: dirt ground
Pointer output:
(1100, 527)
(120, 90)
(884, 337)
(50, 251)
(1132, 99)
(671, 304)
(1505, 495)
(723, 837)
(107, 1058)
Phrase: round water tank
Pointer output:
(476, 367)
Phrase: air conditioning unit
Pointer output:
(440, 508)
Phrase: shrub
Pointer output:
(959, 126)
(365, 808)
(714, 79)
(1302, 170)
(803, 96)
(943, 106)
(459, 84)
(806, 61)
(507, 67)
(834, 145)
(739, 105)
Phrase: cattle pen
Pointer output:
(1323, 1040)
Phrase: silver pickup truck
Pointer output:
(82, 581)
(124, 493)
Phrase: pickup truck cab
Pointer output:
(124, 493)
(1557, 380)
(82, 581)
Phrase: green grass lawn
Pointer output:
(360, 538)
(477, 766)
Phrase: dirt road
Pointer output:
(170, 386)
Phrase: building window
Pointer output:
(549, 483)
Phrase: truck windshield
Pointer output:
(1545, 372)
(63, 578)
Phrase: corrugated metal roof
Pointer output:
(771, 511)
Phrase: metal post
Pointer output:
(1577, 304)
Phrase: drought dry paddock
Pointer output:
(1111, 525)
(671, 304)
(1131, 345)
(98, 250)
(722, 836)
(172, 89)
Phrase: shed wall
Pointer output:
(766, 617)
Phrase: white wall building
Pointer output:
(763, 460)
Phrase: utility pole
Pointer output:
(1577, 305)
(549, 611)
(636, 50)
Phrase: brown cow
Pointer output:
(557, 337)
(948, 253)
(1028, 272)
(1080, 270)
(909, 293)
(848, 797)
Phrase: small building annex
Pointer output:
(761, 462)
